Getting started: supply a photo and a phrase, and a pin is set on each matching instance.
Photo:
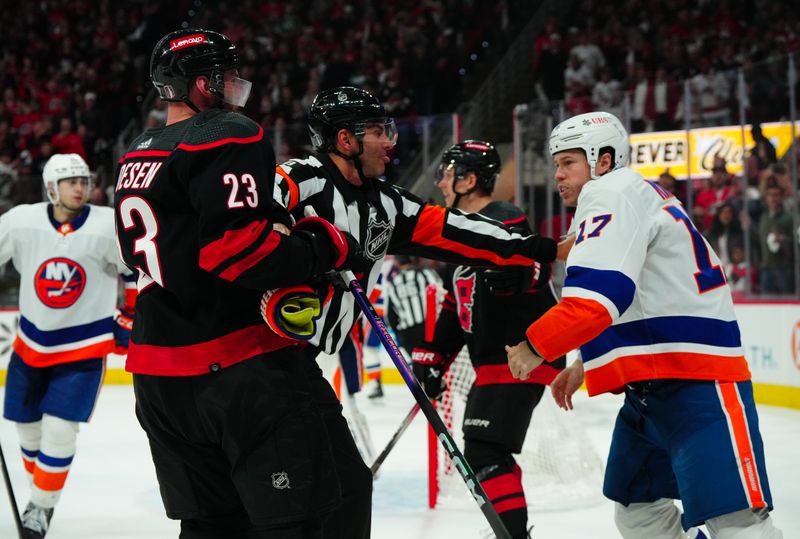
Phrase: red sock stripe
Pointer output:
(517, 502)
(29, 465)
(502, 486)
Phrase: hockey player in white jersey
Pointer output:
(66, 254)
(647, 302)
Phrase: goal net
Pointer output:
(561, 468)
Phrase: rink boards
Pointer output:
(770, 335)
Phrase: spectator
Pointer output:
(710, 90)
(605, 93)
(762, 154)
(661, 102)
(718, 191)
(777, 255)
(667, 181)
(68, 141)
(588, 52)
(725, 232)
(549, 71)
(737, 271)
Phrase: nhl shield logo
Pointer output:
(280, 480)
(59, 282)
(378, 234)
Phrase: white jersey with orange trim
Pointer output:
(68, 286)
(645, 296)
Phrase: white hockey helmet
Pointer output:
(60, 167)
(592, 132)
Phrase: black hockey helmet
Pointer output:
(345, 107)
(475, 156)
(181, 56)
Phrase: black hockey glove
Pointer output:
(334, 248)
(429, 368)
(512, 280)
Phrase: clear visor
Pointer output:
(441, 170)
(381, 130)
(237, 91)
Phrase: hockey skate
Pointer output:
(377, 391)
(36, 521)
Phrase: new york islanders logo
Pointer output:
(59, 282)
(464, 280)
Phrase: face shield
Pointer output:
(236, 90)
(446, 171)
(380, 130)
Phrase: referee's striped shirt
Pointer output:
(386, 219)
(406, 297)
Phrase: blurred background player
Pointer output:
(66, 254)
(688, 428)
(406, 300)
(486, 309)
(374, 352)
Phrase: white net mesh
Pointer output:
(560, 466)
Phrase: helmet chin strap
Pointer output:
(355, 159)
(459, 195)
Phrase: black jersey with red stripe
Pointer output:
(194, 213)
(471, 314)
(386, 219)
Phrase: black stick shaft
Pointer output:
(395, 438)
(10, 490)
(447, 441)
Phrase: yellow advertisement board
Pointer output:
(653, 153)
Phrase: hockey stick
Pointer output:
(395, 437)
(447, 441)
(430, 325)
(434, 419)
(10, 490)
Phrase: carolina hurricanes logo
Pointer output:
(465, 296)
(59, 282)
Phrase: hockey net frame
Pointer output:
(560, 465)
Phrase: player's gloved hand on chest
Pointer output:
(334, 249)
(123, 325)
(292, 312)
(511, 280)
(429, 368)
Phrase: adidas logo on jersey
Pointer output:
(144, 144)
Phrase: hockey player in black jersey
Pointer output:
(238, 417)
(487, 309)
(352, 137)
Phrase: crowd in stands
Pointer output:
(411, 54)
(74, 73)
(632, 58)
(70, 75)
(71, 82)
